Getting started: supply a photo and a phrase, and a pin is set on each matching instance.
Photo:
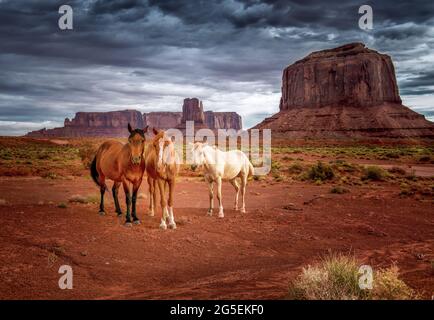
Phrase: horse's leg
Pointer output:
(219, 197)
(115, 191)
(163, 203)
(128, 203)
(236, 185)
(243, 193)
(211, 196)
(155, 195)
(134, 200)
(152, 195)
(172, 223)
(102, 191)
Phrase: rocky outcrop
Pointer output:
(95, 124)
(192, 110)
(162, 120)
(346, 91)
(114, 124)
(223, 120)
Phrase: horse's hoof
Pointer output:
(172, 226)
(236, 208)
(119, 214)
(137, 222)
(163, 226)
(209, 213)
(101, 213)
(243, 210)
(151, 214)
(221, 215)
(128, 224)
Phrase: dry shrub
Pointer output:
(320, 172)
(295, 168)
(336, 277)
(87, 152)
(387, 286)
(374, 173)
(84, 200)
(339, 190)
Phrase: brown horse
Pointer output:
(122, 163)
(162, 167)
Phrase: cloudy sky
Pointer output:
(149, 55)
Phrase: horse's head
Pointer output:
(160, 142)
(198, 154)
(136, 141)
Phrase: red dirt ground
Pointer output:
(248, 256)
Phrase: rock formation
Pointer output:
(162, 120)
(95, 124)
(114, 123)
(346, 91)
(192, 110)
(223, 120)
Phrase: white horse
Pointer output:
(220, 165)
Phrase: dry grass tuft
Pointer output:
(336, 277)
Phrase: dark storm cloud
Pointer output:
(149, 55)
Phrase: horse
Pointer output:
(220, 165)
(122, 163)
(162, 167)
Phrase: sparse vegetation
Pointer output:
(336, 277)
(84, 200)
(87, 152)
(339, 190)
(374, 173)
(397, 170)
(62, 205)
(31, 157)
(295, 168)
(320, 172)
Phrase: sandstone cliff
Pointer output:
(162, 120)
(223, 120)
(346, 91)
(95, 124)
(114, 124)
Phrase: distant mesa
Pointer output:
(348, 91)
(114, 123)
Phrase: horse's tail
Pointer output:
(94, 172)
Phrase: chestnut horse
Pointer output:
(122, 163)
(162, 167)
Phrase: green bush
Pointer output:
(374, 173)
(295, 168)
(320, 172)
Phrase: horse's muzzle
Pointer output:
(136, 160)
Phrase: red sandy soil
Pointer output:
(248, 256)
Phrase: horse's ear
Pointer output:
(129, 128)
(155, 131)
(145, 129)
